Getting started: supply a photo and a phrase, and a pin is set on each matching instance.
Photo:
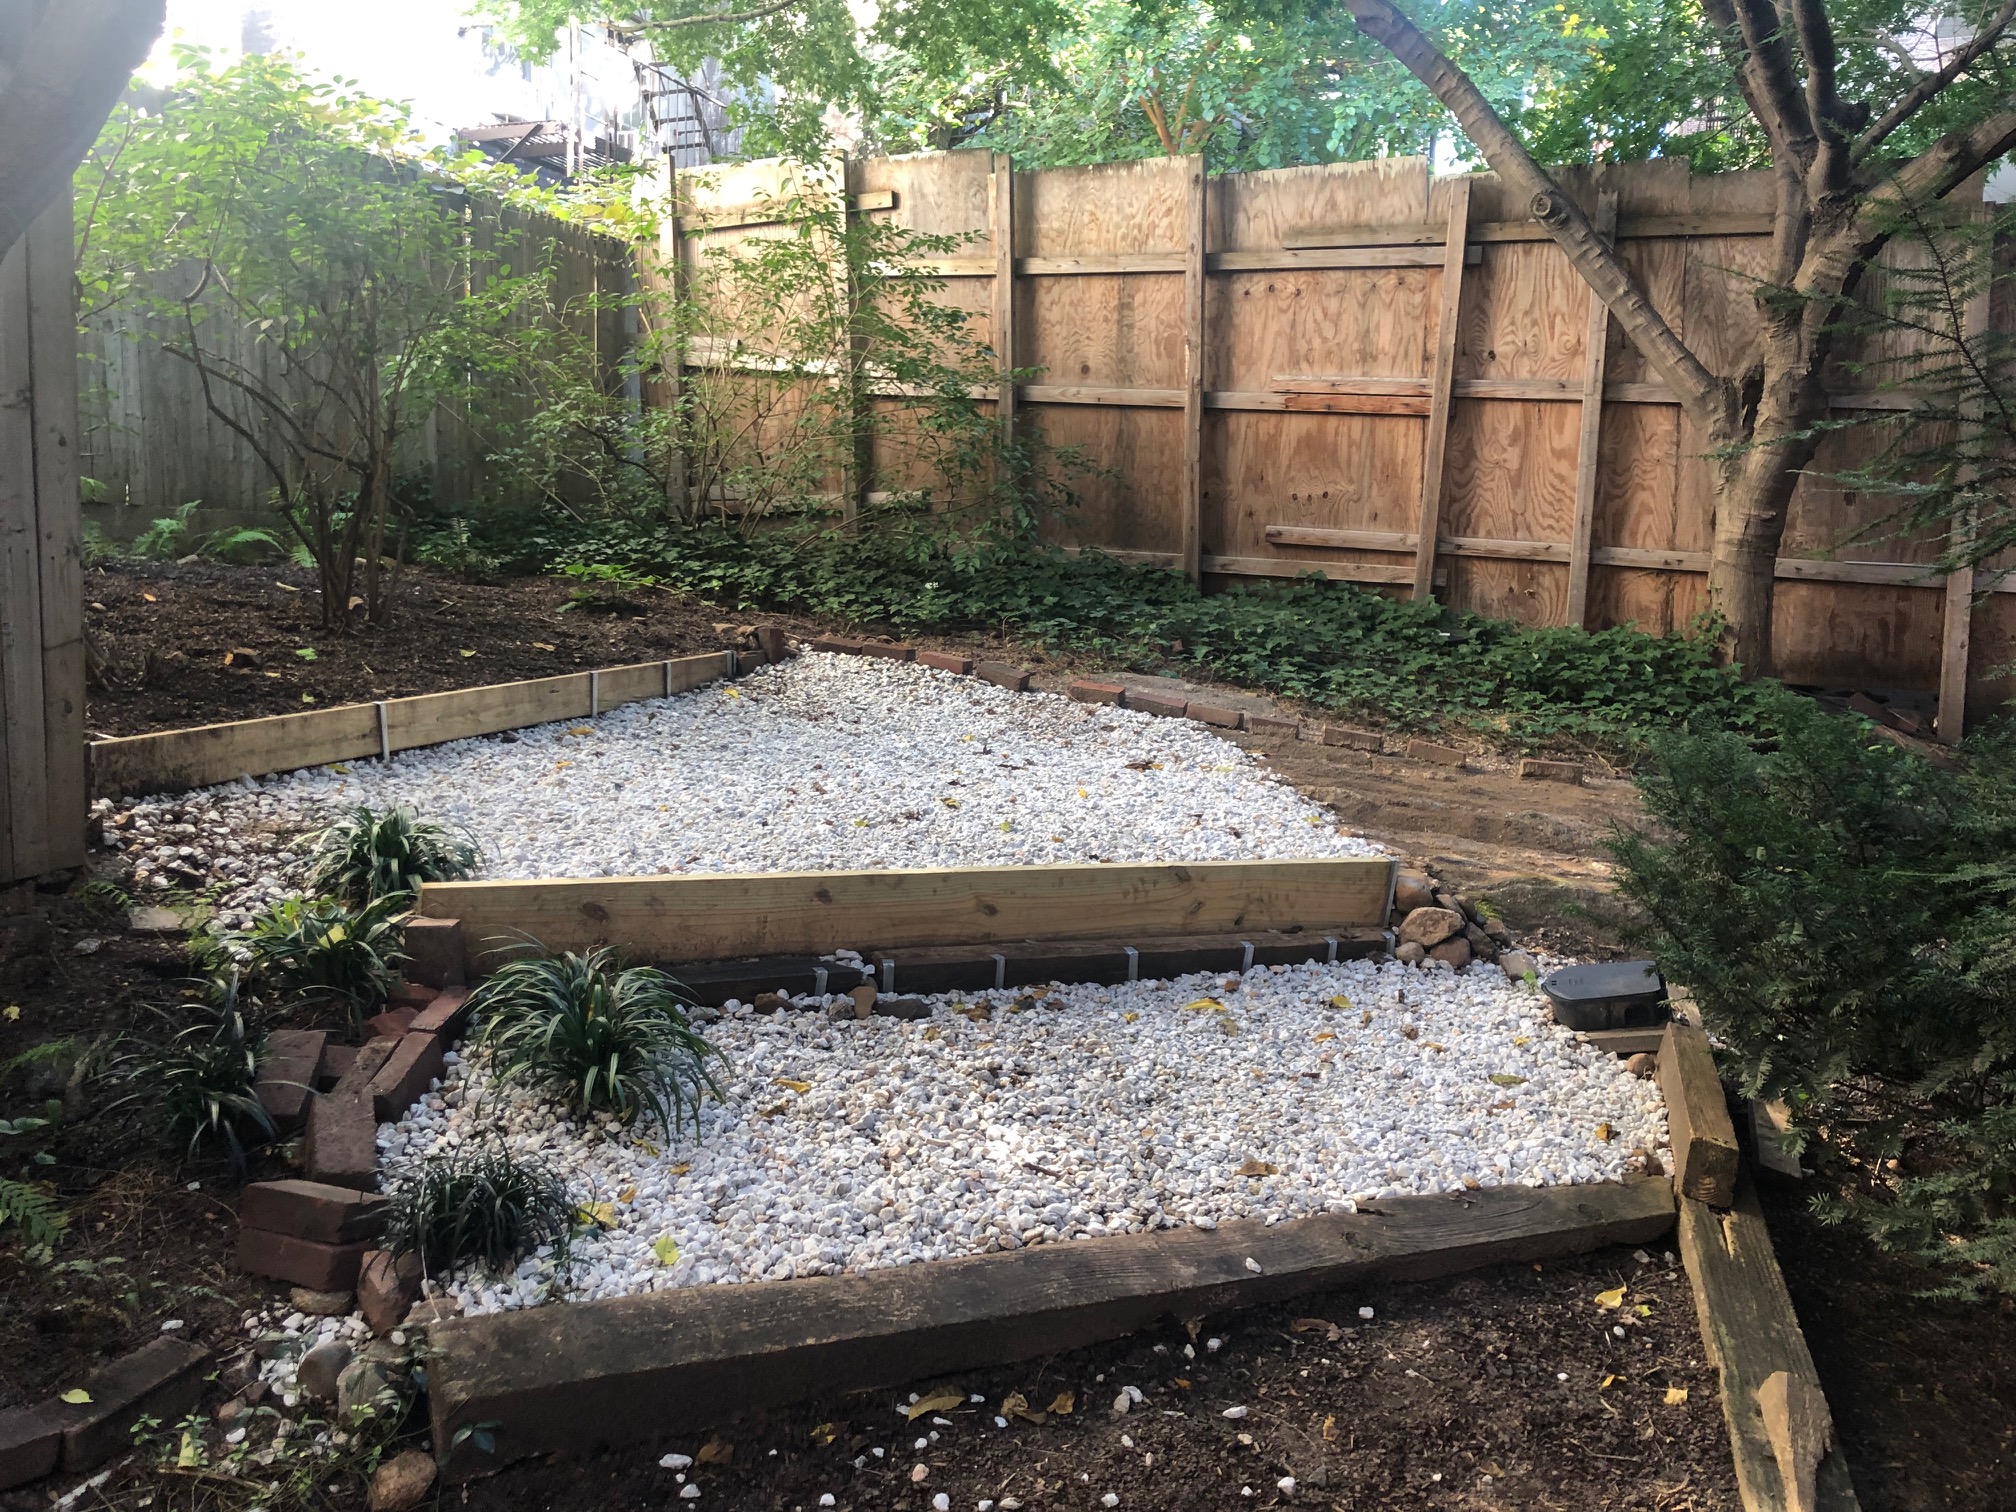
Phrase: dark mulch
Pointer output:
(163, 631)
(1452, 1397)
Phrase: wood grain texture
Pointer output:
(1705, 1156)
(1751, 1333)
(1196, 362)
(579, 1376)
(1441, 377)
(1588, 444)
(169, 760)
(24, 777)
(719, 916)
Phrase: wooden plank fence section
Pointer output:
(576, 1377)
(710, 916)
(170, 760)
(1321, 412)
(42, 799)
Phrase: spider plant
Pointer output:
(366, 855)
(478, 1204)
(599, 1038)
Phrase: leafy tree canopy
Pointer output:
(1261, 83)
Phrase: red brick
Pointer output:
(1154, 703)
(838, 645)
(1269, 724)
(364, 1065)
(342, 1144)
(303, 1262)
(1441, 755)
(1357, 740)
(392, 1023)
(946, 661)
(334, 1066)
(387, 1288)
(404, 1078)
(1211, 714)
(414, 995)
(1002, 676)
(162, 1380)
(445, 1015)
(435, 953)
(888, 650)
(31, 1442)
(312, 1210)
(1535, 770)
(1085, 691)
(287, 1066)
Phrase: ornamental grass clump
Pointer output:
(366, 855)
(479, 1205)
(203, 1080)
(324, 945)
(597, 1038)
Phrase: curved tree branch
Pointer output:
(709, 18)
(1700, 391)
(1929, 85)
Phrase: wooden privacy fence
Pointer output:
(41, 578)
(152, 444)
(1360, 371)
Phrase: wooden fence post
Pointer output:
(1001, 231)
(858, 460)
(1957, 628)
(1596, 342)
(1441, 386)
(672, 269)
(1194, 253)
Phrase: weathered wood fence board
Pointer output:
(709, 916)
(42, 802)
(1360, 369)
(170, 760)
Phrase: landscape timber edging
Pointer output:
(717, 916)
(205, 755)
(579, 1376)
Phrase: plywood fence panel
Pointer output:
(1130, 503)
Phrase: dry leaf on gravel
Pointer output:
(943, 1401)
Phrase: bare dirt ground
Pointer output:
(1452, 1398)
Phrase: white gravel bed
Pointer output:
(821, 763)
(845, 1145)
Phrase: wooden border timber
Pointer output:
(713, 916)
(1752, 1335)
(204, 755)
(1705, 1154)
(584, 1375)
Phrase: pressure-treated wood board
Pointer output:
(1705, 1156)
(205, 754)
(1750, 1333)
(709, 916)
(580, 1376)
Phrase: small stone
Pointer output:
(689, 1493)
(1367, 1314)
(1518, 965)
(402, 1482)
(1429, 927)
(864, 1000)
(321, 1369)
(321, 1304)
(919, 1473)
(1413, 953)
(941, 1503)
(676, 1462)
(387, 1286)
(1234, 1413)
(1122, 1405)
(1644, 1065)
(769, 1002)
(1454, 952)
(1286, 1485)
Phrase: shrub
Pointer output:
(365, 855)
(1841, 910)
(601, 1040)
(322, 944)
(478, 1205)
(202, 1080)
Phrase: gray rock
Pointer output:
(1518, 965)
(402, 1482)
(1455, 951)
(321, 1369)
(1482, 946)
(1413, 953)
(1412, 891)
(321, 1304)
(1429, 927)
(371, 1384)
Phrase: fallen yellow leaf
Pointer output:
(1340, 1002)
(582, 730)
(1605, 1133)
(465, 652)
(943, 1401)
(1605, 1383)
(1611, 1298)
(800, 1087)
(1128, 1018)
(715, 1452)
(1642, 1310)
(628, 1194)
(1258, 1168)
(76, 1396)
(824, 1434)
(150, 598)
(1325, 1035)
(601, 1214)
(1063, 1402)
(1330, 1430)
(1522, 1039)
(541, 646)
(1505, 1079)
(666, 1249)
(1675, 1395)
(1432, 1045)
(1204, 1005)
(13, 1014)
(191, 1452)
